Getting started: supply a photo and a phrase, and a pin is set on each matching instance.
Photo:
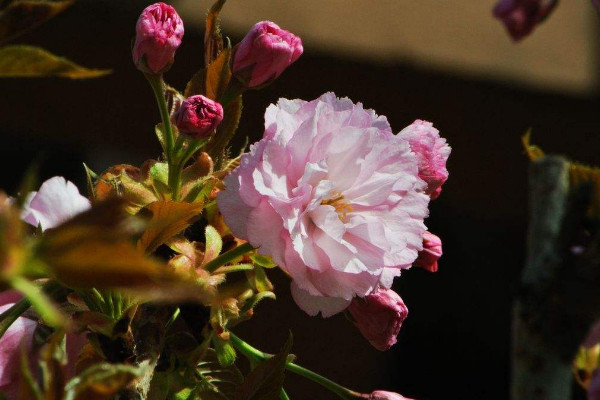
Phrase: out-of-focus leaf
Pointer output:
(94, 249)
(21, 61)
(101, 381)
(168, 219)
(266, 380)
(225, 351)
(20, 16)
(218, 75)
(43, 305)
(28, 388)
(225, 132)
(218, 382)
(533, 151)
(213, 40)
(52, 365)
(584, 174)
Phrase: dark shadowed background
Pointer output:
(455, 342)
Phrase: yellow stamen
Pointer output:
(342, 208)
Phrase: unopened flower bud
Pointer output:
(379, 316)
(199, 116)
(383, 395)
(159, 30)
(432, 251)
(520, 17)
(265, 53)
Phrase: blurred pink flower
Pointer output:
(596, 4)
(159, 31)
(383, 395)
(432, 251)
(333, 196)
(18, 338)
(520, 17)
(379, 317)
(57, 201)
(593, 336)
(199, 116)
(265, 52)
(432, 152)
(593, 391)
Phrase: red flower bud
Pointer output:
(265, 53)
(199, 116)
(379, 316)
(432, 251)
(520, 17)
(159, 30)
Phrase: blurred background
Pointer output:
(448, 62)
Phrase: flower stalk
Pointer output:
(254, 354)
(227, 257)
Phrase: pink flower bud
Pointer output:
(379, 316)
(432, 251)
(520, 17)
(265, 53)
(432, 153)
(159, 30)
(383, 395)
(199, 116)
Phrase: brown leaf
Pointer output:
(21, 61)
(232, 114)
(196, 85)
(23, 15)
(213, 40)
(218, 75)
(168, 219)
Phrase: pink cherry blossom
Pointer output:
(383, 395)
(379, 317)
(333, 196)
(265, 52)
(19, 337)
(432, 251)
(199, 116)
(55, 202)
(159, 31)
(520, 17)
(432, 152)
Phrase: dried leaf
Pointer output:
(168, 219)
(533, 151)
(21, 61)
(22, 16)
(101, 381)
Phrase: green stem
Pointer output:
(157, 84)
(253, 353)
(227, 257)
(283, 395)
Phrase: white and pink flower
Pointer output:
(57, 201)
(333, 196)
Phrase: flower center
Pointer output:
(342, 208)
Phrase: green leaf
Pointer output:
(21, 61)
(227, 269)
(22, 16)
(90, 177)
(218, 383)
(263, 261)
(214, 244)
(225, 351)
(250, 304)
(266, 380)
